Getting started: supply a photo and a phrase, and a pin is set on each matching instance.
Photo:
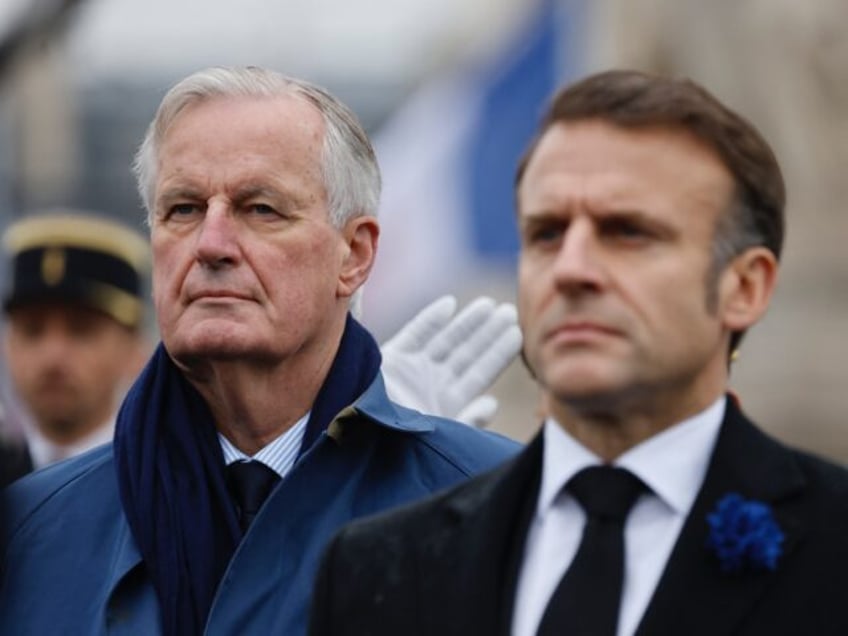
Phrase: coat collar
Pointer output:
(375, 405)
(494, 511)
(125, 559)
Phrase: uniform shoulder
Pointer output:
(15, 461)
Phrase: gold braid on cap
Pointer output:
(69, 230)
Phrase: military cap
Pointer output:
(77, 258)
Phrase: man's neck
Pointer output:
(253, 404)
(615, 427)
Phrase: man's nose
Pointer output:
(54, 345)
(579, 263)
(217, 240)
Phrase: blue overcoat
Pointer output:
(71, 565)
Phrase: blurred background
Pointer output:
(450, 91)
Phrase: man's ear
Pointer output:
(361, 235)
(747, 285)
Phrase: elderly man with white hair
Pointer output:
(261, 423)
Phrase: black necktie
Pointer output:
(250, 483)
(587, 599)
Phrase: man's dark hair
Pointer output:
(632, 99)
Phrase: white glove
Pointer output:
(438, 363)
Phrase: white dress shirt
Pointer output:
(279, 455)
(672, 464)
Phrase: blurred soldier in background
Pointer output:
(73, 337)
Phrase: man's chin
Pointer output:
(203, 351)
(210, 338)
(585, 388)
(58, 425)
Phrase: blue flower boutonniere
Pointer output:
(744, 535)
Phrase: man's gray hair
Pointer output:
(348, 164)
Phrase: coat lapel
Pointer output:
(491, 514)
(694, 596)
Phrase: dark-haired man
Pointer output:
(651, 223)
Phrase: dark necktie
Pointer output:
(587, 599)
(250, 483)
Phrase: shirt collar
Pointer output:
(672, 463)
(44, 452)
(278, 455)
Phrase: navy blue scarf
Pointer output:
(171, 475)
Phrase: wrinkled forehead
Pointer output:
(243, 143)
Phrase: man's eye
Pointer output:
(624, 229)
(30, 330)
(261, 208)
(182, 209)
(545, 235)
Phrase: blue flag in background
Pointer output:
(515, 88)
(448, 158)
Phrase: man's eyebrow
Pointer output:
(538, 217)
(177, 193)
(251, 191)
(542, 216)
(630, 214)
